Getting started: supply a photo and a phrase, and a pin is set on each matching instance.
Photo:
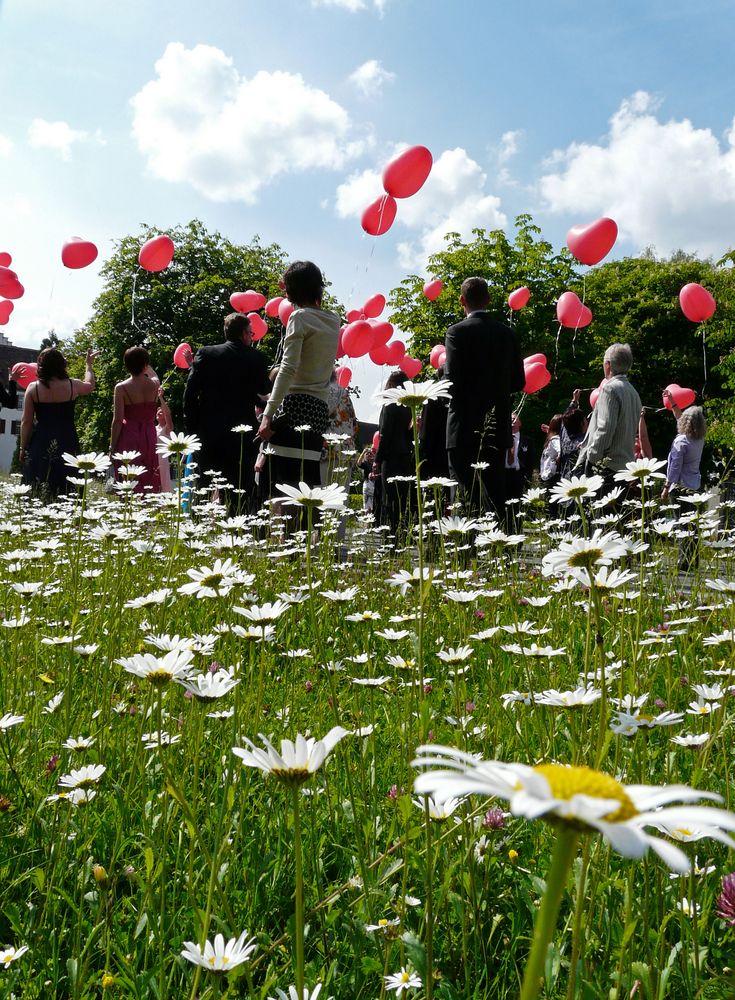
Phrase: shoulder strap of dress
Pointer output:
(71, 389)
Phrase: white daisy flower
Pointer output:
(297, 760)
(220, 956)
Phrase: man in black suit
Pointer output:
(485, 366)
(222, 391)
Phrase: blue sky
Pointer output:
(276, 117)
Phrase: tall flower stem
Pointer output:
(429, 905)
(561, 862)
(420, 549)
(299, 893)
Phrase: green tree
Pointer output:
(186, 302)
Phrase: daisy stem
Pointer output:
(299, 893)
(561, 861)
(429, 905)
(577, 925)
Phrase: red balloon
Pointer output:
(376, 440)
(5, 259)
(5, 310)
(344, 375)
(519, 298)
(682, 397)
(374, 306)
(340, 347)
(157, 253)
(379, 216)
(379, 355)
(696, 303)
(13, 290)
(436, 351)
(354, 314)
(357, 338)
(433, 289)
(395, 351)
(183, 356)
(7, 277)
(571, 312)
(284, 311)
(595, 394)
(271, 306)
(533, 358)
(592, 242)
(247, 301)
(77, 253)
(258, 326)
(24, 373)
(411, 366)
(407, 173)
(537, 377)
(382, 331)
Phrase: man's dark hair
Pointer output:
(475, 293)
(236, 324)
(304, 283)
(573, 422)
(395, 380)
(136, 360)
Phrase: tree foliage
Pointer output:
(634, 300)
(186, 302)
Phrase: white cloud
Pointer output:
(665, 183)
(370, 78)
(509, 145)
(56, 136)
(453, 199)
(353, 6)
(6, 146)
(199, 121)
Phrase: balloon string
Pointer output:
(584, 289)
(704, 356)
(132, 302)
(556, 349)
(522, 403)
(510, 318)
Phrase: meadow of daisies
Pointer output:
(273, 755)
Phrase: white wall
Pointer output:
(7, 438)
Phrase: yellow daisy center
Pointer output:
(565, 782)
(588, 558)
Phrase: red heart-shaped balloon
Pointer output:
(592, 242)
(77, 253)
(5, 310)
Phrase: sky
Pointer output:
(276, 118)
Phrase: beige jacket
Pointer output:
(308, 356)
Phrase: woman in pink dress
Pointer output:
(134, 419)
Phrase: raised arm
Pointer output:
(646, 449)
(168, 422)
(83, 388)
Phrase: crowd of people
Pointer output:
(260, 426)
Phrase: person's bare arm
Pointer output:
(26, 422)
(118, 414)
(83, 388)
(646, 449)
(168, 419)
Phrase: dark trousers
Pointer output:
(481, 489)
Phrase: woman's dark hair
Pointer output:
(51, 364)
(304, 283)
(136, 360)
(554, 426)
(395, 380)
(573, 422)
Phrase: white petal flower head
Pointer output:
(415, 394)
(82, 777)
(569, 699)
(576, 488)
(220, 956)
(332, 497)
(8, 720)
(264, 613)
(296, 761)
(640, 470)
(179, 445)
(403, 981)
(159, 670)
(209, 687)
(89, 462)
(126, 456)
(10, 954)
(598, 550)
(215, 581)
(293, 993)
(579, 797)
(438, 810)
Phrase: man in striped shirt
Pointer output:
(609, 443)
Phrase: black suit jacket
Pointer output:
(485, 366)
(222, 389)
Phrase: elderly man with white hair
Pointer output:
(609, 443)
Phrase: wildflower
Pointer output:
(405, 580)
(8, 720)
(80, 743)
(598, 550)
(415, 394)
(580, 797)
(340, 596)
(438, 810)
(145, 600)
(216, 581)
(702, 707)
(220, 957)
(453, 655)
(640, 470)
(547, 652)
(264, 613)
(515, 696)
(494, 819)
(688, 907)
(89, 462)
(384, 926)
(569, 699)
(293, 993)
(126, 456)
(393, 635)
(297, 760)
(332, 497)
(51, 707)
(209, 686)
(10, 954)
(159, 670)
(691, 740)
(726, 900)
(403, 981)
(83, 777)
(576, 488)
(178, 445)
